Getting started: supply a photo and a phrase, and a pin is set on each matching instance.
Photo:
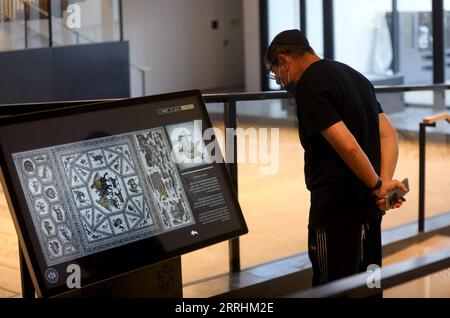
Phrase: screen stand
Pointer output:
(161, 280)
(28, 291)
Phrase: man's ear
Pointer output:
(283, 58)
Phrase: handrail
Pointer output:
(240, 97)
(140, 67)
(267, 95)
(431, 120)
(390, 276)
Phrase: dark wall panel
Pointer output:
(83, 72)
(25, 76)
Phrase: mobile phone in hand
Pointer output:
(393, 196)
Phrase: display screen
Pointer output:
(114, 187)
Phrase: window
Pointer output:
(447, 39)
(314, 25)
(283, 15)
(363, 37)
(416, 41)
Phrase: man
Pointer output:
(351, 153)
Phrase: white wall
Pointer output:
(176, 40)
(252, 50)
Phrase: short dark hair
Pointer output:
(291, 42)
(273, 51)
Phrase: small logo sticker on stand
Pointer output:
(51, 275)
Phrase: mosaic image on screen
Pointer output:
(94, 195)
(189, 149)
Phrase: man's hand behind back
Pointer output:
(387, 187)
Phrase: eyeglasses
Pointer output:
(270, 74)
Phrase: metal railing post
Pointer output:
(230, 115)
(427, 122)
(121, 20)
(144, 82)
(50, 24)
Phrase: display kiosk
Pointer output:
(106, 197)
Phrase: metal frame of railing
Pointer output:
(427, 122)
(230, 120)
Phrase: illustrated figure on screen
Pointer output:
(28, 166)
(108, 190)
(118, 223)
(166, 218)
(59, 214)
(65, 234)
(40, 206)
(48, 227)
(162, 173)
(54, 247)
(146, 149)
(97, 158)
(185, 150)
(80, 196)
(177, 211)
(35, 186)
(134, 187)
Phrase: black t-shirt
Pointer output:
(327, 93)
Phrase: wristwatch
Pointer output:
(378, 185)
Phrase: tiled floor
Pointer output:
(276, 211)
(9, 257)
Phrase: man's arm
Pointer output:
(389, 148)
(345, 144)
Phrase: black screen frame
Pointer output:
(23, 223)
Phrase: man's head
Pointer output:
(288, 56)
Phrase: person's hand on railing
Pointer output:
(387, 187)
